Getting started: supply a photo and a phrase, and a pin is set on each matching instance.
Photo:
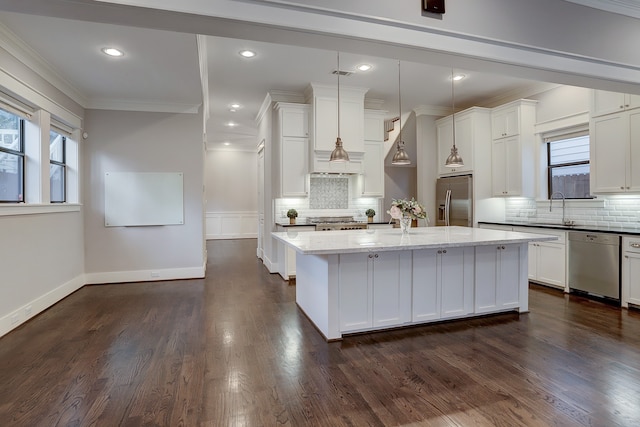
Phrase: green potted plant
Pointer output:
(292, 214)
(370, 213)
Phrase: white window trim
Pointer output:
(33, 209)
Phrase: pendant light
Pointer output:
(339, 154)
(454, 160)
(400, 157)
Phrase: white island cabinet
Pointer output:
(366, 280)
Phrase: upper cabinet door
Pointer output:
(295, 122)
(505, 122)
(609, 153)
(604, 102)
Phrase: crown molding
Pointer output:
(141, 105)
(10, 42)
(622, 7)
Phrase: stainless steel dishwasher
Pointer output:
(594, 263)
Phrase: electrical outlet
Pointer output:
(15, 318)
(155, 274)
(27, 310)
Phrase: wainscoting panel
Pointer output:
(231, 225)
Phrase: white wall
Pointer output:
(41, 262)
(231, 194)
(560, 102)
(41, 254)
(427, 158)
(143, 142)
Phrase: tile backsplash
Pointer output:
(329, 193)
(329, 198)
(610, 211)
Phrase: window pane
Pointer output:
(10, 131)
(572, 181)
(569, 150)
(56, 147)
(56, 182)
(11, 177)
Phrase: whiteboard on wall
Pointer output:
(136, 199)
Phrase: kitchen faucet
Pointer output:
(564, 221)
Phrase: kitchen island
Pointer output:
(365, 280)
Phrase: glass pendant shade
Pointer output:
(400, 157)
(339, 154)
(454, 160)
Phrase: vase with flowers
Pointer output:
(292, 215)
(405, 211)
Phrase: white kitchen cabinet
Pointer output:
(513, 149)
(442, 283)
(604, 102)
(295, 120)
(291, 151)
(374, 290)
(630, 271)
(497, 277)
(286, 254)
(294, 177)
(615, 153)
(371, 181)
(505, 122)
(547, 260)
(473, 133)
(372, 177)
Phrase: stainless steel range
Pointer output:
(330, 223)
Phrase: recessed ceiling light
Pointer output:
(363, 67)
(227, 143)
(112, 51)
(247, 53)
(458, 77)
(232, 124)
(235, 106)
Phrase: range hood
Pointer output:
(324, 127)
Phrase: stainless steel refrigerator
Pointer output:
(454, 201)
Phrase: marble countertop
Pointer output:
(305, 223)
(353, 241)
(631, 229)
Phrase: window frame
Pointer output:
(62, 164)
(550, 167)
(20, 154)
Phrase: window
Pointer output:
(11, 157)
(568, 160)
(57, 167)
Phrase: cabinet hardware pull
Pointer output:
(444, 251)
(376, 255)
(370, 256)
(635, 245)
(439, 252)
(503, 247)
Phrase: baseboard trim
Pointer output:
(271, 266)
(38, 305)
(145, 275)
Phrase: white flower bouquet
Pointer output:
(407, 208)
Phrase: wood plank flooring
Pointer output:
(234, 350)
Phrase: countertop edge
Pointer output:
(584, 228)
(530, 237)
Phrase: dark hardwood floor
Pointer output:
(233, 350)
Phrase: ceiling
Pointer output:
(160, 71)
